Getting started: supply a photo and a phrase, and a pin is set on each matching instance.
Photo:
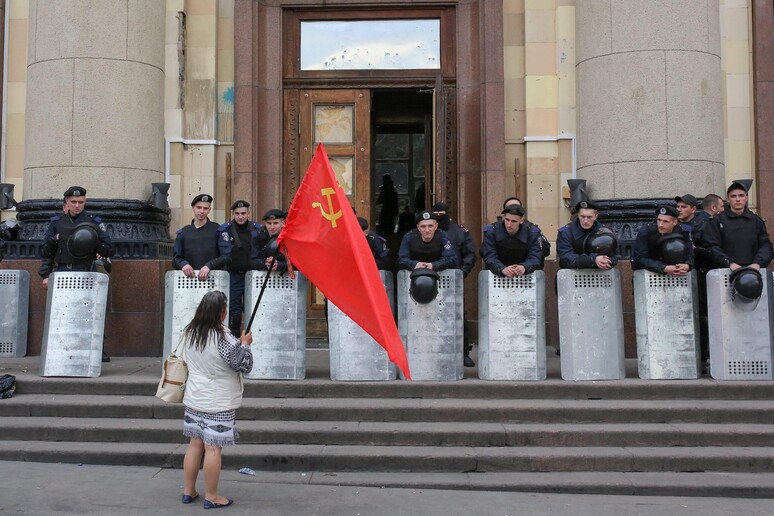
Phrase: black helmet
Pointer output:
(674, 248)
(83, 242)
(424, 285)
(602, 242)
(746, 285)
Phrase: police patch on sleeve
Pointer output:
(225, 237)
(447, 245)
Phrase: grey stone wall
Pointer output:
(649, 90)
(95, 98)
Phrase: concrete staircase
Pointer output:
(701, 437)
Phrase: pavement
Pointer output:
(40, 489)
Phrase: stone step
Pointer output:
(409, 409)
(452, 459)
(145, 381)
(712, 484)
(397, 434)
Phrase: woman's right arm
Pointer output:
(237, 356)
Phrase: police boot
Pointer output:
(105, 357)
(468, 361)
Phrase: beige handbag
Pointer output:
(173, 378)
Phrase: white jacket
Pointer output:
(212, 386)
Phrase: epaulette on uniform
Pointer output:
(54, 218)
(463, 228)
(224, 227)
(564, 228)
(534, 229)
(257, 225)
(380, 237)
(179, 231)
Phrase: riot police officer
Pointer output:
(202, 245)
(512, 247)
(545, 244)
(663, 246)
(693, 220)
(273, 222)
(737, 237)
(459, 237)
(584, 243)
(427, 246)
(462, 242)
(377, 244)
(74, 239)
(243, 235)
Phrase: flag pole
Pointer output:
(263, 289)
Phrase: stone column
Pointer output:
(650, 119)
(95, 98)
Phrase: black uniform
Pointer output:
(463, 244)
(501, 249)
(741, 239)
(244, 257)
(55, 251)
(646, 253)
(438, 251)
(545, 244)
(378, 246)
(267, 246)
(571, 243)
(208, 246)
(695, 227)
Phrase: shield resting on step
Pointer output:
(74, 327)
(279, 328)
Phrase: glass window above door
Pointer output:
(404, 44)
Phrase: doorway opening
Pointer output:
(401, 159)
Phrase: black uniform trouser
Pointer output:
(701, 280)
(236, 301)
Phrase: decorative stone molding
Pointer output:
(138, 229)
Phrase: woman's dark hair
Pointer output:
(207, 320)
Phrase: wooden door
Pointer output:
(340, 120)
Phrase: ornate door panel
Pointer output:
(340, 120)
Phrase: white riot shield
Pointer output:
(666, 311)
(279, 328)
(182, 297)
(75, 324)
(433, 333)
(511, 327)
(14, 309)
(591, 331)
(740, 338)
(355, 355)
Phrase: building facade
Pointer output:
(462, 101)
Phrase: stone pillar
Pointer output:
(650, 119)
(95, 98)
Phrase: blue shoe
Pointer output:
(190, 498)
(215, 505)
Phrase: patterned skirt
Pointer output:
(215, 429)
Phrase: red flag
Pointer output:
(322, 238)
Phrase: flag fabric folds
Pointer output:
(322, 238)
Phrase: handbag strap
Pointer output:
(176, 350)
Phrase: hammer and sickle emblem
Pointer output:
(330, 215)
